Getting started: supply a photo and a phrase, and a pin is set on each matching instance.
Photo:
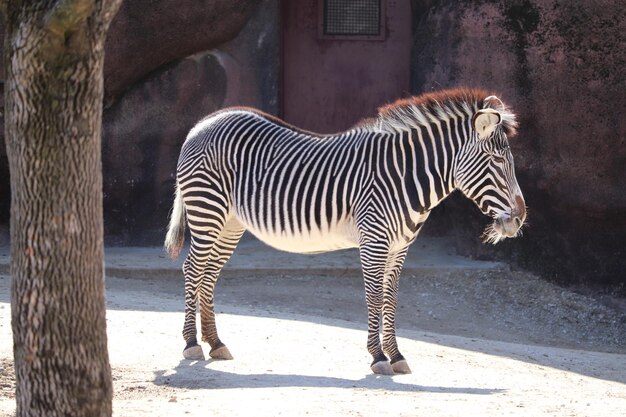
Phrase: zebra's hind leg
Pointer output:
(373, 259)
(206, 223)
(220, 254)
(390, 302)
(193, 269)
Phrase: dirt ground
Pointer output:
(483, 343)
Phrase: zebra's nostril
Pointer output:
(518, 222)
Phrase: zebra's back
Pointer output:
(294, 190)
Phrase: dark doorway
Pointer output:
(342, 59)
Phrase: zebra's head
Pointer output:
(485, 171)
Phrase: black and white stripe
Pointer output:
(371, 187)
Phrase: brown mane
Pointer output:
(431, 99)
(464, 100)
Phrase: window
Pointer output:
(351, 19)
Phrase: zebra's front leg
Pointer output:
(390, 302)
(373, 265)
(380, 363)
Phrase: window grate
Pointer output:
(352, 17)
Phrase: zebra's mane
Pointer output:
(439, 106)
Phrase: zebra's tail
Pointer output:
(176, 230)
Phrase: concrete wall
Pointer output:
(561, 66)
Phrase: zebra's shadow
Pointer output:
(200, 375)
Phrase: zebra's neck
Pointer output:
(425, 148)
(428, 173)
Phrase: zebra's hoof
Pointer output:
(382, 368)
(194, 353)
(221, 352)
(401, 367)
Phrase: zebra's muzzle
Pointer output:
(502, 227)
(507, 226)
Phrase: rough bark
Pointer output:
(53, 95)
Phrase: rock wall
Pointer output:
(561, 66)
(147, 34)
(168, 64)
(145, 126)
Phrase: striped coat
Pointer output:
(371, 187)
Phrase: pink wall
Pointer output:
(328, 85)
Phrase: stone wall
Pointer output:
(168, 64)
(146, 125)
(560, 64)
(147, 34)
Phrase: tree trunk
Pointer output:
(53, 100)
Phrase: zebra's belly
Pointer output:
(342, 236)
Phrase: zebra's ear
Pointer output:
(485, 121)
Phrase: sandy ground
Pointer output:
(480, 343)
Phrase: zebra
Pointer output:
(371, 187)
